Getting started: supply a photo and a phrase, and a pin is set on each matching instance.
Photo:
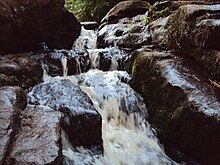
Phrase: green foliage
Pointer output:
(86, 10)
(163, 13)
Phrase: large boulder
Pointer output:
(20, 70)
(195, 29)
(126, 9)
(39, 138)
(12, 101)
(181, 101)
(26, 24)
(127, 33)
(82, 123)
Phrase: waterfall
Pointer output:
(128, 138)
(64, 65)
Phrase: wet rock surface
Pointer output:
(127, 33)
(26, 24)
(195, 30)
(39, 138)
(12, 101)
(19, 69)
(126, 9)
(82, 122)
(76, 59)
(182, 103)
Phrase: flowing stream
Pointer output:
(128, 139)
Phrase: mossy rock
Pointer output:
(182, 104)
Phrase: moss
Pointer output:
(184, 35)
(146, 19)
(162, 13)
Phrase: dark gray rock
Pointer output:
(26, 24)
(82, 123)
(194, 30)
(39, 138)
(182, 103)
(12, 101)
(20, 70)
(128, 33)
(126, 9)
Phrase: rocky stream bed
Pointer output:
(142, 88)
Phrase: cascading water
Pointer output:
(128, 139)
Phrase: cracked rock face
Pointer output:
(12, 101)
(39, 139)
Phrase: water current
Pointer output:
(128, 138)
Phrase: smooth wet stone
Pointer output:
(26, 24)
(194, 31)
(126, 9)
(82, 123)
(182, 103)
(20, 70)
(158, 31)
(128, 33)
(12, 101)
(39, 138)
(77, 61)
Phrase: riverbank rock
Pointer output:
(128, 33)
(39, 138)
(194, 30)
(26, 24)
(82, 123)
(19, 69)
(181, 101)
(76, 61)
(126, 9)
(12, 101)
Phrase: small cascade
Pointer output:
(64, 65)
(86, 40)
(127, 136)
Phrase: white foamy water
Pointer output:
(128, 138)
(87, 39)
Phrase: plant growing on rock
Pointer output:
(86, 10)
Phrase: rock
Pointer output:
(127, 33)
(82, 123)
(112, 59)
(162, 9)
(210, 60)
(12, 101)
(181, 103)
(26, 24)
(92, 25)
(158, 31)
(195, 29)
(19, 69)
(126, 9)
(39, 138)
(77, 62)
